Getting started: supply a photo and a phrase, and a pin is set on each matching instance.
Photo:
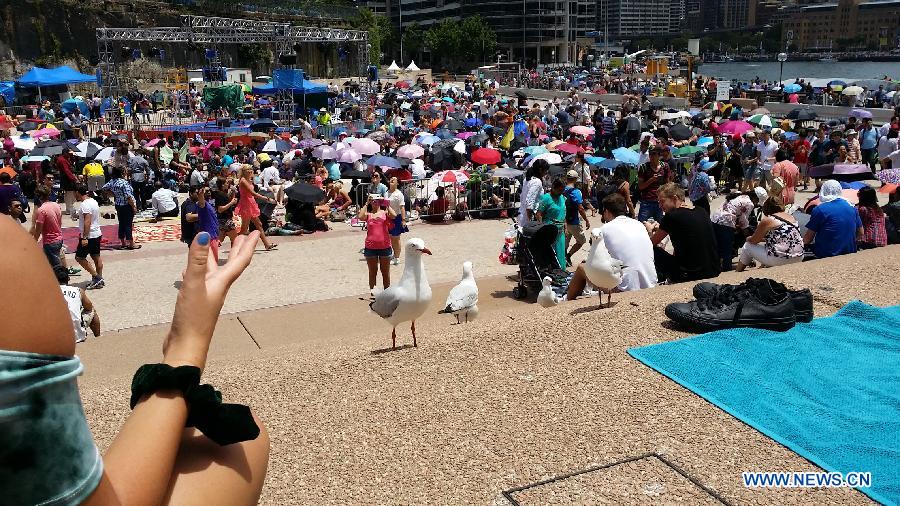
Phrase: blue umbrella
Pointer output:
(473, 122)
(73, 103)
(791, 136)
(449, 100)
(535, 150)
(428, 140)
(338, 131)
(594, 160)
(609, 163)
(443, 133)
(704, 141)
(793, 88)
(383, 161)
(856, 185)
(837, 82)
(626, 155)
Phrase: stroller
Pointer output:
(537, 258)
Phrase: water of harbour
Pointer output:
(745, 71)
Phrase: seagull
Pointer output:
(463, 298)
(409, 298)
(601, 269)
(547, 297)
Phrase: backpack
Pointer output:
(571, 206)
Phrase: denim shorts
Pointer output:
(52, 251)
(751, 172)
(378, 253)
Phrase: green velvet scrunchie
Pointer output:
(223, 423)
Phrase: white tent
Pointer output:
(394, 67)
(412, 66)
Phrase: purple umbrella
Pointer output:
(310, 143)
(348, 155)
(861, 114)
(889, 176)
(325, 153)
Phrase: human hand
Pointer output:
(203, 290)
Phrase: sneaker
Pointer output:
(95, 284)
(395, 261)
(803, 301)
(765, 305)
(73, 271)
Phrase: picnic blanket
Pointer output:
(165, 231)
(828, 390)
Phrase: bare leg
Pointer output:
(262, 234)
(385, 265)
(414, 333)
(87, 266)
(206, 473)
(396, 246)
(394, 339)
(372, 264)
(577, 284)
(98, 262)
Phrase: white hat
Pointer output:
(761, 193)
(572, 175)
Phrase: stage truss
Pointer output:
(214, 31)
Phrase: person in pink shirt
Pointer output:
(379, 217)
(47, 228)
(789, 174)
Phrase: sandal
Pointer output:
(271, 247)
(134, 246)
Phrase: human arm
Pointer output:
(766, 224)
(228, 205)
(364, 210)
(247, 186)
(37, 227)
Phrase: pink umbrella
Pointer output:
(324, 153)
(348, 155)
(364, 146)
(153, 142)
(464, 135)
(582, 130)
(44, 132)
(735, 127)
(214, 144)
(410, 151)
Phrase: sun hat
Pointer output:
(761, 193)
(850, 132)
(572, 175)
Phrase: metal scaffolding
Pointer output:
(214, 31)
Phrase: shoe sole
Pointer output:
(778, 324)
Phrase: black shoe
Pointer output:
(765, 305)
(803, 302)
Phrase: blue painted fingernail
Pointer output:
(203, 238)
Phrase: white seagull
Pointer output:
(547, 297)
(463, 298)
(601, 269)
(409, 298)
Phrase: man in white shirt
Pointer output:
(766, 147)
(627, 240)
(164, 202)
(271, 180)
(89, 237)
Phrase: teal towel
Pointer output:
(828, 390)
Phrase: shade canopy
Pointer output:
(39, 76)
(412, 66)
(307, 88)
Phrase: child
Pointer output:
(81, 309)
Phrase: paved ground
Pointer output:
(518, 396)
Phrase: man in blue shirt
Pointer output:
(868, 141)
(834, 224)
(574, 214)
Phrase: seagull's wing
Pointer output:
(461, 297)
(385, 303)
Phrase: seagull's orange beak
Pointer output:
(426, 251)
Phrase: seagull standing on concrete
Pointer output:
(409, 298)
(463, 298)
(547, 297)
(600, 268)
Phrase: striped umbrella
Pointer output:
(761, 120)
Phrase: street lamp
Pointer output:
(782, 57)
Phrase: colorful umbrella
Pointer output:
(889, 176)
(535, 150)
(793, 88)
(364, 146)
(449, 176)
(594, 160)
(348, 155)
(24, 142)
(761, 120)
(310, 143)
(464, 135)
(383, 161)
(427, 140)
(688, 150)
(626, 155)
(486, 156)
(569, 148)
(49, 131)
(324, 153)
(861, 114)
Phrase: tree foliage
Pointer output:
(382, 35)
(413, 41)
(453, 43)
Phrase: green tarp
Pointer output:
(229, 96)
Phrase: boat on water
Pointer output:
(828, 59)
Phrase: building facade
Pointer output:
(870, 24)
(629, 19)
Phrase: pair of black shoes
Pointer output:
(758, 303)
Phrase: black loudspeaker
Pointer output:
(287, 59)
(223, 122)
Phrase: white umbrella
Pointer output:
(552, 158)
(674, 115)
(852, 91)
(24, 143)
(449, 176)
(105, 154)
(86, 149)
(410, 151)
(417, 167)
(394, 67)
(412, 66)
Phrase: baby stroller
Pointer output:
(537, 258)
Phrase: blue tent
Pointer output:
(8, 91)
(38, 76)
(306, 88)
